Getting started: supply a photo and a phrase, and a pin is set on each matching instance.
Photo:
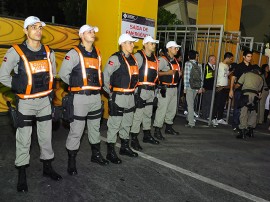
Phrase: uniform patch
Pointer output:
(111, 63)
(67, 58)
(5, 59)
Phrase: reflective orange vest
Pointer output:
(171, 79)
(149, 71)
(125, 78)
(87, 70)
(35, 77)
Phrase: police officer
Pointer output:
(148, 75)
(82, 72)
(169, 75)
(34, 69)
(252, 84)
(120, 79)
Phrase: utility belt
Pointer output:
(139, 102)
(19, 120)
(114, 109)
(68, 110)
(86, 92)
(146, 87)
(244, 101)
(250, 91)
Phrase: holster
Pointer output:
(13, 115)
(163, 90)
(155, 101)
(68, 108)
(115, 110)
(243, 101)
(139, 102)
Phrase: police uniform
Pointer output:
(120, 80)
(32, 82)
(148, 75)
(252, 84)
(167, 96)
(82, 72)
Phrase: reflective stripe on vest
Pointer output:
(151, 65)
(174, 67)
(209, 75)
(132, 70)
(90, 64)
(30, 71)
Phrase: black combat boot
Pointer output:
(125, 149)
(72, 170)
(169, 130)
(135, 142)
(242, 134)
(148, 138)
(111, 154)
(48, 171)
(96, 155)
(22, 183)
(158, 134)
(250, 132)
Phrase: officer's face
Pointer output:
(128, 46)
(151, 47)
(34, 32)
(173, 50)
(89, 36)
(248, 58)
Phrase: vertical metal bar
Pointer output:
(216, 72)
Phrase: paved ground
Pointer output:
(201, 164)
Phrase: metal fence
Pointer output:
(207, 40)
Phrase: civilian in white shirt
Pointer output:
(222, 89)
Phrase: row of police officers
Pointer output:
(130, 81)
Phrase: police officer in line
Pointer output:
(252, 84)
(81, 70)
(169, 76)
(145, 93)
(120, 79)
(34, 70)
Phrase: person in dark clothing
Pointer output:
(243, 67)
(265, 72)
(208, 83)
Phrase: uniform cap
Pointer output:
(85, 28)
(172, 44)
(149, 39)
(126, 37)
(31, 20)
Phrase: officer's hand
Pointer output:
(231, 94)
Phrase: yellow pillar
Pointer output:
(225, 12)
(107, 16)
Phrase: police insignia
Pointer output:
(111, 63)
(67, 58)
(5, 59)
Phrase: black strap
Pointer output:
(132, 109)
(44, 118)
(250, 91)
(149, 103)
(95, 114)
(80, 118)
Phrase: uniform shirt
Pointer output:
(188, 67)
(139, 59)
(251, 81)
(10, 62)
(163, 64)
(223, 73)
(111, 66)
